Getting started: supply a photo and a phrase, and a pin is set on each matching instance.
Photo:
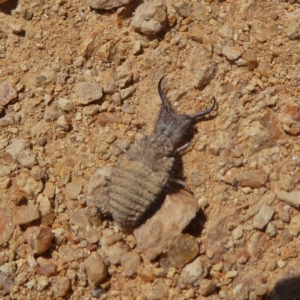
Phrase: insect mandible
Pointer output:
(129, 189)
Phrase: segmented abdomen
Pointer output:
(131, 187)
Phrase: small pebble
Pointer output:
(61, 285)
(232, 53)
(182, 250)
(65, 104)
(294, 227)
(231, 274)
(260, 290)
(281, 264)
(73, 190)
(130, 262)
(263, 217)
(207, 287)
(95, 269)
(42, 282)
(25, 214)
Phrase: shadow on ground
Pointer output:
(286, 289)
(8, 6)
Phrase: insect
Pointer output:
(129, 189)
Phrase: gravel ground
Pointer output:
(78, 83)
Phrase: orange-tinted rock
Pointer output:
(182, 250)
(167, 223)
(6, 226)
(7, 92)
(95, 269)
(291, 119)
(252, 178)
(39, 238)
(25, 214)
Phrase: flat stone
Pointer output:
(95, 269)
(42, 282)
(204, 76)
(292, 198)
(88, 92)
(48, 269)
(159, 291)
(70, 253)
(73, 190)
(192, 273)
(112, 250)
(150, 17)
(182, 250)
(65, 104)
(6, 226)
(130, 262)
(107, 4)
(288, 252)
(292, 32)
(124, 74)
(252, 178)
(250, 57)
(196, 33)
(6, 283)
(25, 214)
(27, 184)
(291, 119)
(4, 182)
(226, 31)
(207, 287)
(158, 232)
(183, 9)
(263, 217)
(108, 81)
(80, 218)
(39, 238)
(237, 233)
(19, 149)
(24, 251)
(61, 286)
(232, 53)
(52, 112)
(7, 93)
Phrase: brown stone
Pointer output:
(250, 58)
(61, 286)
(168, 222)
(288, 252)
(39, 238)
(291, 119)
(7, 93)
(252, 178)
(25, 214)
(95, 269)
(6, 226)
(182, 250)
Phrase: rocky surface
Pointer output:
(78, 85)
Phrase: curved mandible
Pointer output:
(162, 96)
(169, 108)
(204, 112)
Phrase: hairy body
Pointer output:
(129, 189)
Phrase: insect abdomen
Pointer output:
(130, 188)
(135, 184)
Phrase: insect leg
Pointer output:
(181, 148)
(178, 181)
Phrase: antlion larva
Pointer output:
(129, 190)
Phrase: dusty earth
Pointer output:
(78, 82)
